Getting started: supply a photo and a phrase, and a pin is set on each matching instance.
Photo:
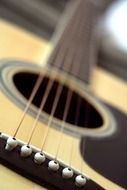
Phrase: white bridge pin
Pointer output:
(80, 180)
(26, 151)
(11, 143)
(39, 158)
(67, 173)
(53, 165)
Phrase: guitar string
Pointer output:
(66, 108)
(45, 96)
(32, 95)
(43, 102)
(35, 88)
(87, 115)
(88, 108)
(58, 93)
(57, 98)
(77, 113)
(67, 105)
(69, 95)
(77, 116)
(92, 58)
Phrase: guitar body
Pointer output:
(20, 45)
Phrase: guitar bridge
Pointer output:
(43, 173)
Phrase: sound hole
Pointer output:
(25, 81)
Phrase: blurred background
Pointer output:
(41, 17)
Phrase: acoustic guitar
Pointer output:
(58, 130)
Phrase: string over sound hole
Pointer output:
(94, 120)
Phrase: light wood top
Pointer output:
(16, 43)
(110, 89)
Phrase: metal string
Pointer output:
(69, 94)
(35, 88)
(49, 86)
(56, 101)
(77, 114)
(58, 93)
(34, 91)
(67, 105)
(87, 112)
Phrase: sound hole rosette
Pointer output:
(9, 69)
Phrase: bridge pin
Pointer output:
(80, 180)
(67, 173)
(53, 165)
(11, 143)
(26, 151)
(39, 158)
